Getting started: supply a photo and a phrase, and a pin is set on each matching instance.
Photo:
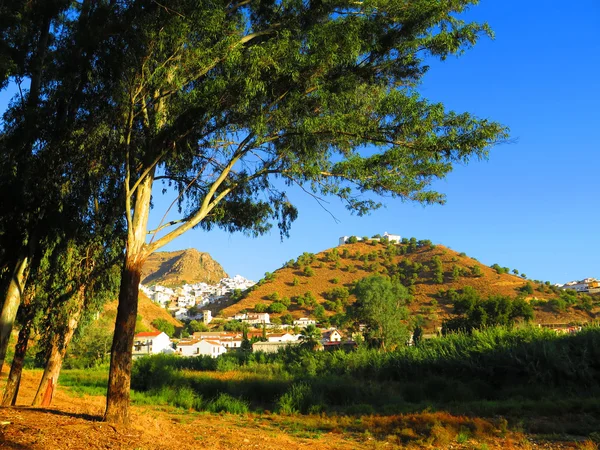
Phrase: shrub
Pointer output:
(269, 276)
(260, 308)
(277, 308)
(165, 326)
(337, 293)
(226, 403)
(295, 281)
(476, 271)
(335, 280)
(296, 400)
(352, 240)
(274, 296)
(308, 271)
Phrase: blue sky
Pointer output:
(533, 206)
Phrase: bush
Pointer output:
(296, 400)
(260, 308)
(226, 403)
(277, 308)
(308, 271)
(164, 326)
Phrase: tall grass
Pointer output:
(491, 371)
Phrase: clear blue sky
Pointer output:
(534, 205)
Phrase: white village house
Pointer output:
(151, 343)
(200, 347)
(304, 322)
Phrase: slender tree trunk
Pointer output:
(16, 369)
(119, 378)
(58, 350)
(117, 400)
(11, 303)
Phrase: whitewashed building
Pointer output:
(204, 347)
(304, 322)
(151, 343)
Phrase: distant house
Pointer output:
(304, 321)
(151, 343)
(257, 318)
(331, 336)
(282, 337)
(196, 347)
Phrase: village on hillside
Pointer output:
(186, 302)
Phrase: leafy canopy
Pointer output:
(237, 102)
(380, 306)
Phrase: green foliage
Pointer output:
(380, 305)
(527, 288)
(89, 349)
(274, 296)
(164, 326)
(287, 319)
(260, 308)
(456, 273)
(337, 293)
(295, 281)
(269, 276)
(319, 313)
(277, 308)
(476, 271)
(473, 312)
(335, 280)
(236, 295)
(308, 271)
(195, 326)
(226, 403)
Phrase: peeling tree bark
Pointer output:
(16, 369)
(58, 350)
(11, 303)
(119, 379)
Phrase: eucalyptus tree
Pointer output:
(51, 164)
(26, 41)
(234, 103)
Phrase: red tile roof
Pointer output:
(148, 334)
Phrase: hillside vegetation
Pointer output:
(181, 267)
(314, 282)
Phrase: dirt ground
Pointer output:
(75, 423)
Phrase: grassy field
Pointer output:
(528, 380)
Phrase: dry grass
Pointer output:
(75, 422)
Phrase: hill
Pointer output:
(415, 263)
(180, 267)
(148, 312)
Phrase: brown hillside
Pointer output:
(148, 311)
(181, 267)
(427, 301)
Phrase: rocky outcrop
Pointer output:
(178, 268)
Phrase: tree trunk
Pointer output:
(117, 399)
(14, 378)
(11, 303)
(58, 350)
(119, 377)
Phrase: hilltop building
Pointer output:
(585, 285)
(391, 237)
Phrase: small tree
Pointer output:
(380, 305)
(164, 326)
